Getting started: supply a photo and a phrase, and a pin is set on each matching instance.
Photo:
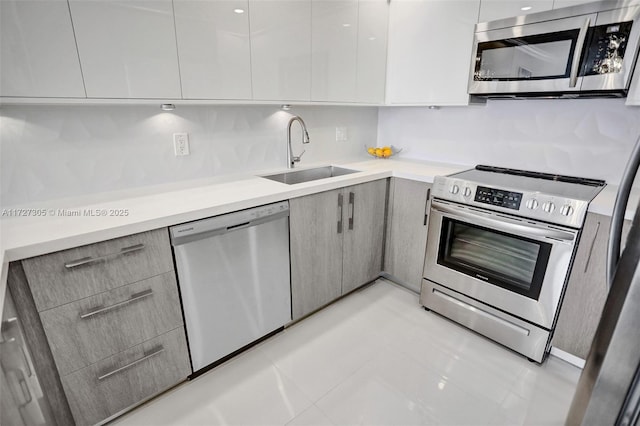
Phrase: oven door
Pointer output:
(514, 265)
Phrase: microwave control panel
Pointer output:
(606, 48)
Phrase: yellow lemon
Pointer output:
(371, 151)
(386, 152)
(379, 152)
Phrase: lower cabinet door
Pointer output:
(90, 329)
(316, 228)
(364, 233)
(407, 231)
(113, 384)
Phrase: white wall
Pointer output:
(51, 152)
(582, 137)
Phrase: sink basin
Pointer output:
(306, 175)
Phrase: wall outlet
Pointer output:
(341, 134)
(181, 144)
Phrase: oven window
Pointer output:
(538, 57)
(509, 261)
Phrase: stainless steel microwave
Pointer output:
(581, 51)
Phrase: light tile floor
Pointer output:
(373, 358)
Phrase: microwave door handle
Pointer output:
(503, 225)
(575, 64)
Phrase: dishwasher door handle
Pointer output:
(193, 234)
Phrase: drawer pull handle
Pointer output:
(87, 260)
(102, 309)
(146, 356)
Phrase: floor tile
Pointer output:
(375, 357)
(312, 416)
(393, 389)
(248, 390)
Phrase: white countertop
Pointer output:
(166, 205)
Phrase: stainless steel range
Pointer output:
(500, 247)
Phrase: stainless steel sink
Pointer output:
(306, 175)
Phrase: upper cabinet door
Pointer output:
(127, 48)
(491, 10)
(334, 47)
(430, 44)
(214, 48)
(373, 18)
(281, 49)
(38, 56)
(557, 4)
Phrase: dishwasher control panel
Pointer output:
(228, 221)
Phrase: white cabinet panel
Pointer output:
(334, 56)
(373, 18)
(557, 4)
(38, 50)
(127, 48)
(281, 49)
(498, 9)
(213, 48)
(430, 45)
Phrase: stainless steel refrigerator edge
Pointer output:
(609, 388)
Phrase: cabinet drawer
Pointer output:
(88, 330)
(80, 272)
(103, 389)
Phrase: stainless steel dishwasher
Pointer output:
(233, 273)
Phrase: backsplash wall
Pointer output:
(51, 152)
(582, 137)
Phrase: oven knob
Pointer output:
(549, 207)
(466, 191)
(454, 189)
(566, 210)
(532, 204)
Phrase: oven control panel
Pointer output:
(498, 197)
(534, 205)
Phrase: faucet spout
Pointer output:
(292, 159)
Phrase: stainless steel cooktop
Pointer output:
(557, 199)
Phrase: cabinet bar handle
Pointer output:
(157, 350)
(593, 243)
(102, 309)
(426, 207)
(87, 260)
(352, 198)
(339, 213)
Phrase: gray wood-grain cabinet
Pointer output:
(90, 329)
(406, 240)
(586, 290)
(336, 243)
(110, 313)
(107, 387)
(68, 275)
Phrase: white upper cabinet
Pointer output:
(349, 44)
(557, 4)
(213, 48)
(127, 48)
(429, 58)
(281, 49)
(334, 47)
(38, 56)
(491, 10)
(373, 18)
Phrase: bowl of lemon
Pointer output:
(382, 152)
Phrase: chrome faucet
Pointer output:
(292, 159)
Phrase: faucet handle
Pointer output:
(296, 159)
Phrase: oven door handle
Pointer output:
(503, 225)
